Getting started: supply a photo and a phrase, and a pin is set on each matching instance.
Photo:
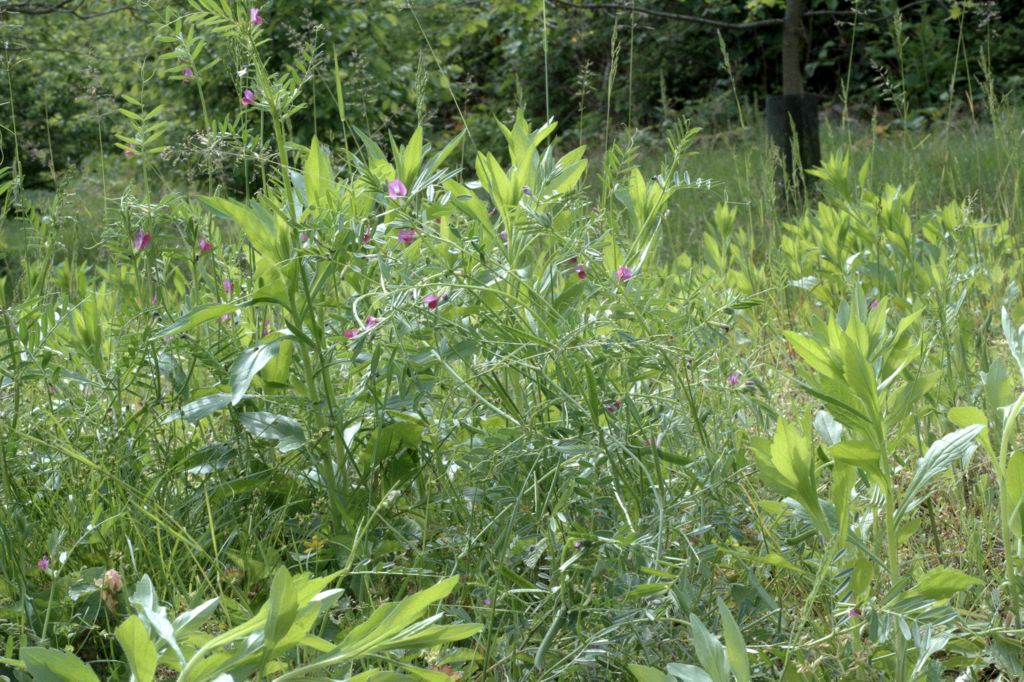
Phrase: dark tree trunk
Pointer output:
(792, 117)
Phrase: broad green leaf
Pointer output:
(197, 316)
(688, 673)
(54, 665)
(710, 651)
(951, 448)
(138, 648)
(282, 607)
(248, 364)
(787, 467)
(199, 408)
(943, 582)
(148, 608)
(285, 430)
(1014, 491)
(254, 221)
(319, 180)
(191, 620)
(735, 645)
(862, 455)
(644, 673)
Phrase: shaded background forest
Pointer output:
(448, 65)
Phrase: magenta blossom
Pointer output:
(396, 188)
(487, 601)
(431, 301)
(43, 563)
(303, 237)
(226, 317)
(367, 237)
(129, 152)
(186, 75)
(248, 98)
(371, 322)
(141, 240)
(351, 333)
(205, 245)
(613, 406)
(407, 237)
(734, 379)
(873, 304)
(254, 16)
(580, 272)
(624, 273)
(229, 286)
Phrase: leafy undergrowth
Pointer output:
(789, 460)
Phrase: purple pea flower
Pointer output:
(129, 152)
(186, 75)
(580, 272)
(44, 563)
(141, 240)
(624, 273)
(396, 188)
(613, 406)
(205, 245)
(431, 301)
(254, 16)
(873, 304)
(229, 286)
(407, 237)
(248, 98)
(371, 322)
(734, 379)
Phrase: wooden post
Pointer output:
(792, 117)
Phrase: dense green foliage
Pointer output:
(308, 382)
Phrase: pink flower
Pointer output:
(254, 16)
(431, 301)
(129, 152)
(407, 236)
(351, 333)
(873, 304)
(624, 274)
(229, 286)
(266, 327)
(581, 273)
(303, 237)
(153, 299)
(734, 379)
(226, 317)
(186, 75)
(371, 322)
(366, 237)
(613, 406)
(112, 581)
(141, 240)
(205, 245)
(43, 563)
(573, 260)
(248, 98)
(396, 188)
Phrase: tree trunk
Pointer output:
(792, 48)
(792, 117)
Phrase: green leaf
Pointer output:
(155, 616)
(319, 179)
(735, 645)
(643, 673)
(199, 408)
(195, 317)
(688, 673)
(862, 455)
(951, 448)
(190, 621)
(255, 222)
(286, 431)
(787, 467)
(1014, 491)
(248, 364)
(138, 649)
(710, 651)
(282, 607)
(943, 582)
(53, 665)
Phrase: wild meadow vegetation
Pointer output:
(297, 384)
